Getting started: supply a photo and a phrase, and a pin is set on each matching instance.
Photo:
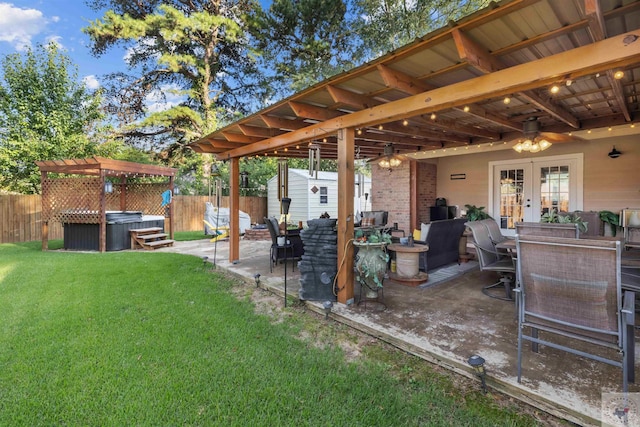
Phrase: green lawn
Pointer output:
(158, 339)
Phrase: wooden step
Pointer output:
(141, 231)
(158, 244)
(153, 236)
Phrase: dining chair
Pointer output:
(569, 298)
(569, 230)
(491, 260)
(494, 231)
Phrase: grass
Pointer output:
(148, 339)
(183, 236)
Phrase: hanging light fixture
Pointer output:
(388, 160)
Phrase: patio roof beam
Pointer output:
(618, 51)
(599, 32)
(481, 59)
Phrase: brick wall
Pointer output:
(390, 191)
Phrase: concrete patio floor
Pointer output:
(445, 324)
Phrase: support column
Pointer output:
(102, 239)
(45, 211)
(346, 143)
(413, 196)
(171, 210)
(234, 209)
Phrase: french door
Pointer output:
(525, 190)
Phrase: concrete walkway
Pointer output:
(446, 324)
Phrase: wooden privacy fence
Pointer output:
(21, 215)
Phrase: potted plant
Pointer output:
(371, 260)
(612, 219)
(475, 213)
(553, 217)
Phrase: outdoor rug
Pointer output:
(448, 272)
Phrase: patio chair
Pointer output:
(277, 251)
(568, 230)
(494, 231)
(491, 260)
(570, 298)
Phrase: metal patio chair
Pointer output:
(492, 260)
(569, 230)
(570, 292)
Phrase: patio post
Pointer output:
(234, 210)
(346, 148)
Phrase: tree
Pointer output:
(195, 51)
(385, 25)
(305, 41)
(45, 113)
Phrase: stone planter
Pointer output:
(371, 266)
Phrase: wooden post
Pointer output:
(171, 210)
(103, 214)
(346, 141)
(234, 210)
(45, 214)
(413, 196)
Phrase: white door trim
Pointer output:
(578, 158)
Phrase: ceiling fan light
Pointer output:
(518, 147)
(384, 163)
(535, 147)
(526, 144)
(544, 144)
(394, 162)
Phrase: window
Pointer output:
(324, 198)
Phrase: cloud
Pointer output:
(18, 26)
(55, 40)
(91, 82)
(166, 97)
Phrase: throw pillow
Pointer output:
(368, 222)
(417, 234)
(424, 231)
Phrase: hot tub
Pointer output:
(86, 237)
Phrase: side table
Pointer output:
(407, 264)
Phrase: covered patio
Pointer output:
(455, 104)
(444, 325)
(458, 100)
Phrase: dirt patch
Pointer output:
(355, 345)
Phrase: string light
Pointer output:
(405, 122)
(554, 89)
(618, 74)
(466, 109)
(506, 100)
(433, 116)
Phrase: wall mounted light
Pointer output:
(614, 154)
(477, 363)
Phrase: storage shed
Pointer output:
(312, 197)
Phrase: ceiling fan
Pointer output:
(389, 159)
(534, 141)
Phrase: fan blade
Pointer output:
(559, 137)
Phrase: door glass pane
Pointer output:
(554, 189)
(511, 190)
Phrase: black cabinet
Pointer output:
(437, 213)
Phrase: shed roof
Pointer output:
(447, 89)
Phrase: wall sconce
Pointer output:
(108, 187)
(614, 154)
(327, 306)
(477, 363)
(256, 277)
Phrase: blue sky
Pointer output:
(26, 23)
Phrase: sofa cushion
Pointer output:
(417, 234)
(380, 217)
(424, 231)
(368, 222)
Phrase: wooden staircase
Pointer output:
(149, 238)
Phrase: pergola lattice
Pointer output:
(80, 197)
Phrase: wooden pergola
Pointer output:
(473, 84)
(78, 195)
